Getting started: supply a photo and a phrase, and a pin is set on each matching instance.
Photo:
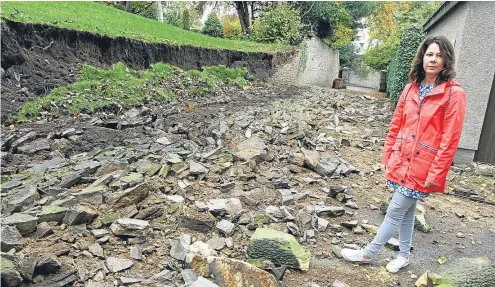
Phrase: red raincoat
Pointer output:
(423, 136)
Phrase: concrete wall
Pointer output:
(316, 64)
(372, 80)
(471, 28)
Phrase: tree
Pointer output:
(334, 22)
(213, 26)
(159, 10)
(388, 22)
(186, 19)
(281, 24)
(128, 6)
(243, 12)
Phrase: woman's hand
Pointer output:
(429, 184)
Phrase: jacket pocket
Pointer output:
(424, 155)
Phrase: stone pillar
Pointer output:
(383, 81)
(345, 74)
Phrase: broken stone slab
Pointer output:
(22, 199)
(23, 222)
(93, 195)
(22, 140)
(278, 247)
(196, 168)
(226, 227)
(281, 183)
(229, 206)
(189, 276)
(126, 281)
(174, 199)
(328, 211)
(99, 233)
(6, 187)
(311, 158)
(293, 229)
(115, 264)
(130, 195)
(43, 230)
(89, 166)
(47, 265)
(10, 276)
(231, 272)
(327, 165)
(180, 247)
(96, 250)
(130, 227)
(136, 252)
(420, 222)
(150, 213)
(253, 148)
(322, 224)
(79, 215)
(10, 239)
(274, 212)
(350, 224)
(7, 141)
(52, 213)
(217, 243)
(198, 221)
(27, 265)
(203, 282)
(162, 277)
(164, 141)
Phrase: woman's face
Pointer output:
(433, 60)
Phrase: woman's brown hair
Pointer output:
(417, 73)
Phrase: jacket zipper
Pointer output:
(427, 146)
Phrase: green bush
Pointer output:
(379, 57)
(400, 65)
(232, 30)
(213, 26)
(186, 19)
(281, 24)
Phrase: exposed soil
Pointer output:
(37, 58)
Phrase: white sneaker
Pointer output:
(395, 265)
(354, 255)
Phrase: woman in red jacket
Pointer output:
(420, 145)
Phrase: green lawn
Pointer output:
(100, 19)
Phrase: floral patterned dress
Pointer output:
(423, 91)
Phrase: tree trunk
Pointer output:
(128, 6)
(243, 12)
(160, 10)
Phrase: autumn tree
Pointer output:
(386, 25)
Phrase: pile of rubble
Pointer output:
(238, 200)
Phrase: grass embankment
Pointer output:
(100, 19)
(121, 87)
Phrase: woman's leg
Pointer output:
(405, 232)
(398, 207)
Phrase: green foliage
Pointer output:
(104, 20)
(347, 55)
(213, 26)
(379, 56)
(120, 87)
(334, 22)
(401, 63)
(388, 22)
(232, 29)
(281, 24)
(186, 19)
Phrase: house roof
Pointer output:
(440, 14)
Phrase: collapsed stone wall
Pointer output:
(36, 58)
